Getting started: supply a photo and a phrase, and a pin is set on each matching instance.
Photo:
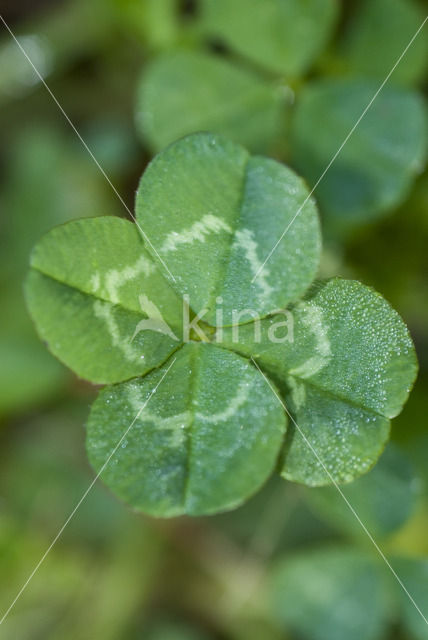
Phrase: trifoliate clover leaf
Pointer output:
(367, 140)
(116, 310)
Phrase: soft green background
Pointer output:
(256, 573)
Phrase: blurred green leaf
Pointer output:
(372, 254)
(377, 35)
(28, 375)
(375, 169)
(154, 22)
(161, 21)
(55, 607)
(185, 92)
(284, 36)
(208, 439)
(414, 574)
(331, 594)
(384, 498)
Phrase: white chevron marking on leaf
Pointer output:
(196, 233)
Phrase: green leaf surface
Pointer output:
(375, 169)
(331, 594)
(90, 286)
(384, 498)
(348, 364)
(185, 92)
(377, 36)
(283, 36)
(213, 213)
(207, 439)
(413, 571)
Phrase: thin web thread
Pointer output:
(60, 532)
(42, 80)
(338, 151)
(349, 505)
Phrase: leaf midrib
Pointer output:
(87, 293)
(269, 372)
(219, 285)
(194, 363)
(336, 396)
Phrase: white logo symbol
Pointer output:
(154, 320)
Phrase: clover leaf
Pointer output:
(331, 594)
(375, 168)
(334, 593)
(208, 439)
(414, 573)
(89, 288)
(347, 366)
(229, 209)
(209, 347)
(284, 36)
(384, 498)
(206, 93)
(371, 44)
(254, 91)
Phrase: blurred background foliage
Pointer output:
(287, 78)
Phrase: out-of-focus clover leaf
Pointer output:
(375, 168)
(331, 594)
(184, 92)
(376, 37)
(283, 36)
(240, 91)
(213, 431)
(413, 571)
(372, 255)
(384, 498)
